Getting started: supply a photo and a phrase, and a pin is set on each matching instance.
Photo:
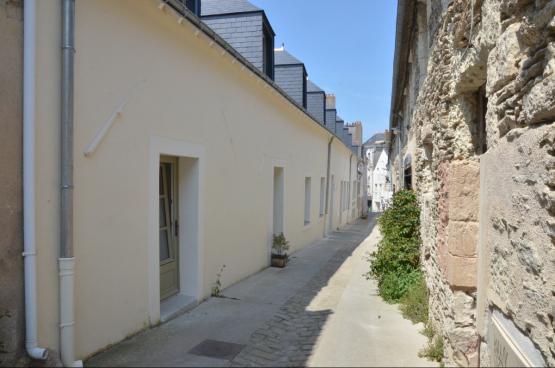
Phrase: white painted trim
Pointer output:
(271, 163)
(182, 149)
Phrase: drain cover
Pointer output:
(217, 349)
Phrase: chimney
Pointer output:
(330, 101)
(356, 130)
(388, 134)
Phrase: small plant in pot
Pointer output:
(280, 246)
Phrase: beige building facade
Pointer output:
(473, 110)
(163, 111)
(11, 196)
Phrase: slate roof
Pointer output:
(282, 57)
(213, 7)
(376, 137)
(311, 87)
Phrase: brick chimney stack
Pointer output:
(330, 101)
(356, 130)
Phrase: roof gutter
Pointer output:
(328, 169)
(405, 19)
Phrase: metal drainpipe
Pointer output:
(401, 177)
(349, 200)
(67, 261)
(328, 185)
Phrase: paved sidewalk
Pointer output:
(318, 311)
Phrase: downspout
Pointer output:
(364, 204)
(400, 155)
(29, 214)
(66, 260)
(350, 200)
(328, 185)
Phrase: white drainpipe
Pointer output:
(29, 239)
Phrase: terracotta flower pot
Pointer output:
(279, 260)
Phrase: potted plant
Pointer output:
(280, 246)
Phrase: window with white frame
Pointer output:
(344, 195)
(307, 191)
(348, 194)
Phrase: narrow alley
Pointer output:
(277, 183)
(318, 311)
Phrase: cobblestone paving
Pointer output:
(289, 337)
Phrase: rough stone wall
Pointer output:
(518, 236)
(506, 47)
(11, 245)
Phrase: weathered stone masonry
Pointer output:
(484, 166)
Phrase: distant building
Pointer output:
(378, 188)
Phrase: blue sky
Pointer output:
(347, 47)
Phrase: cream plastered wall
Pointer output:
(177, 88)
(340, 161)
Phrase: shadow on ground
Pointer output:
(290, 336)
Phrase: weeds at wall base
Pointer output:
(434, 349)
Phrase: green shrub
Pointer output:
(396, 267)
(414, 304)
(393, 286)
(396, 263)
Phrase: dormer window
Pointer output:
(245, 27)
(194, 6)
(191, 5)
(268, 52)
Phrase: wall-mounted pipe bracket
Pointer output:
(117, 113)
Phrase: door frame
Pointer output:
(191, 235)
(174, 250)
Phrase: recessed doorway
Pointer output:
(175, 227)
(278, 200)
